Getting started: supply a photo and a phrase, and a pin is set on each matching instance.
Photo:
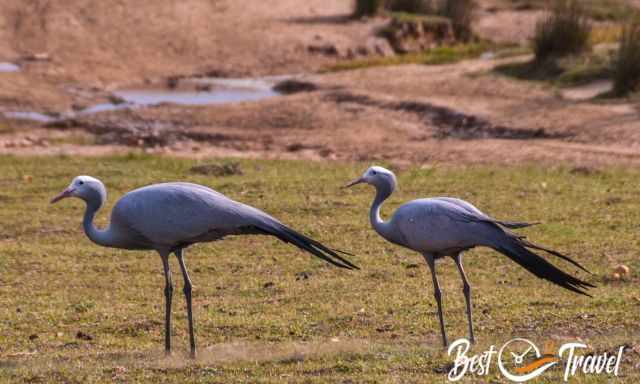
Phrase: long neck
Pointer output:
(382, 227)
(100, 237)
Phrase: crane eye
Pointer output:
(80, 182)
(374, 172)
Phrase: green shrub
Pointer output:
(626, 72)
(368, 7)
(563, 31)
(460, 12)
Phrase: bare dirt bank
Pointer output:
(459, 113)
(107, 44)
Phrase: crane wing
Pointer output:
(442, 227)
(173, 215)
(477, 214)
(436, 225)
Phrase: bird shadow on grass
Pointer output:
(287, 352)
(236, 352)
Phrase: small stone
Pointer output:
(116, 100)
(83, 336)
(385, 328)
(327, 49)
(172, 82)
(76, 107)
(119, 371)
(203, 87)
(294, 86)
(42, 56)
(303, 276)
(622, 270)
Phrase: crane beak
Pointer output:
(354, 182)
(63, 195)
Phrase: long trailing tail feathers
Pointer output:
(314, 247)
(523, 240)
(529, 244)
(516, 249)
(515, 224)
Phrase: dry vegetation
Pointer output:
(626, 72)
(564, 31)
(367, 7)
(599, 10)
(563, 46)
(460, 12)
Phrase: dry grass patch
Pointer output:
(626, 71)
(563, 31)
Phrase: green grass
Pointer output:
(405, 17)
(256, 322)
(600, 10)
(435, 56)
(570, 71)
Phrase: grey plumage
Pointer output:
(172, 216)
(444, 226)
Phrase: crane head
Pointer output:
(378, 177)
(86, 188)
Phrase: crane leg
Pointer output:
(168, 294)
(187, 295)
(466, 289)
(437, 294)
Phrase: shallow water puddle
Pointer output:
(34, 116)
(9, 67)
(217, 96)
(191, 91)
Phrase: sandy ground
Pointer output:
(460, 113)
(108, 44)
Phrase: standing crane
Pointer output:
(444, 226)
(170, 217)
